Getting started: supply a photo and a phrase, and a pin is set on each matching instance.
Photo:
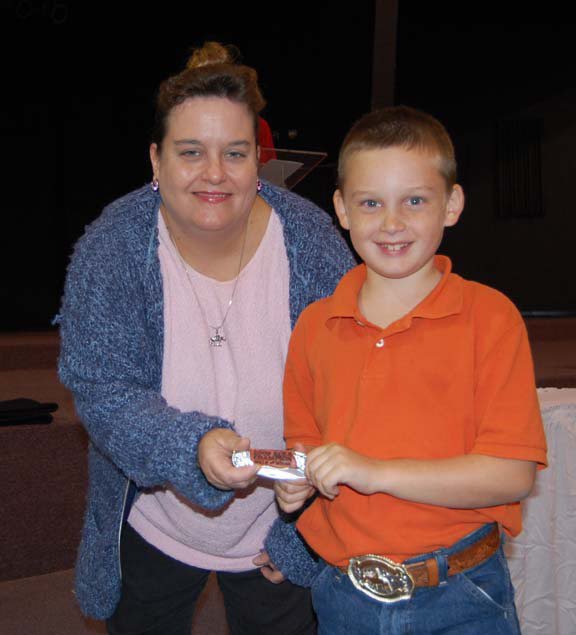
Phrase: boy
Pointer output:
(412, 390)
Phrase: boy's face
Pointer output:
(395, 204)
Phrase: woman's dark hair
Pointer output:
(211, 71)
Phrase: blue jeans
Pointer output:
(479, 601)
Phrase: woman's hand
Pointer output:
(215, 459)
(329, 465)
(267, 568)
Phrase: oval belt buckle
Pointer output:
(380, 578)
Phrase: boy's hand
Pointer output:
(331, 464)
(291, 495)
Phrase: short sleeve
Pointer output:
(509, 423)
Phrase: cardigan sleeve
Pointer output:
(290, 555)
(109, 359)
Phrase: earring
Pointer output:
(155, 184)
(258, 185)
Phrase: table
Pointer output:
(542, 558)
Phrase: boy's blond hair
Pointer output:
(400, 126)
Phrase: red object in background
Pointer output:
(265, 141)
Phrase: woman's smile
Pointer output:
(207, 168)
(213, 198)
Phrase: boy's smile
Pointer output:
(395, 203)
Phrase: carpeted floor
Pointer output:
(44, 605)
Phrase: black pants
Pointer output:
(159, 595)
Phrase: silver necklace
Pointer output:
(217, 338)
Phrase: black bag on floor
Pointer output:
(25, 412)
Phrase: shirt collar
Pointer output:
(445, 299)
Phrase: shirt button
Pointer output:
(380, 343)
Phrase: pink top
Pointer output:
(240, 381)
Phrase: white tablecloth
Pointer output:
(543, 557)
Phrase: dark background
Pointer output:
(79, 80)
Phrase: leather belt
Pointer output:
(389, 581)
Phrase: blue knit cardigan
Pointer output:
(111, 326)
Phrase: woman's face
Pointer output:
(208, 166)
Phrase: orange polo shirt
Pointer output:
(452, 377)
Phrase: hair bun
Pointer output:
(212, 53)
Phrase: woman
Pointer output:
(178, 306)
